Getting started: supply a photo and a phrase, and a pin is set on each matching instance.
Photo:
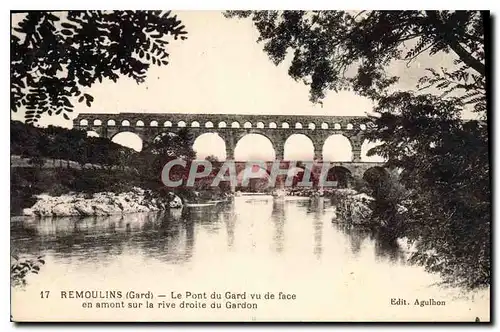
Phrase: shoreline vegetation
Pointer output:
(445, 184)
(57, 171)
(63, 172)
(60, 172)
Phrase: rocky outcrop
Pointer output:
(101, 204)
(352, 207)
(175, 201)
(357, 208)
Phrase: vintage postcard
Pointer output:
(262, 166)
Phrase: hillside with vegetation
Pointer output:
(63, 161)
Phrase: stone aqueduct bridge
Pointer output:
(232, 127)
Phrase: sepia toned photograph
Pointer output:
(250, 166)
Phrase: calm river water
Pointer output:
(255, 244)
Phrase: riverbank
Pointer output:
(84, 192)
(352, 207)
(62, 191)
(101, 204)
(268, 240)
(27, 183)
(358, 208)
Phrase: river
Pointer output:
(255, 244)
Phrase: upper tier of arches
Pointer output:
(309, 125)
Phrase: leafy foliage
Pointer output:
(55, 56)
(20, 268)
(444, 159)
(64, 144)
(445, 166)
(346, 50)
(164, 148)
(92, 164)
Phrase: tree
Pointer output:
(445, 164)
(166, 147)
(55, 56)
(170, 145)
(214, 160)
(444, 159)
(336, 50)
(37, 160)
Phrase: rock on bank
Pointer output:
(352, 207)
(101, 204)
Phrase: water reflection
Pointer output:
(384, 245)
(278, 220)
(316, 206)
(253, 243)
(253, 224)
(165, 236)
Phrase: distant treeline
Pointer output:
(114, 167)
(67, 144)
(40, 144)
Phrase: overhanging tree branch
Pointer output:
(443, 34)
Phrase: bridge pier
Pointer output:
(279, 149)
(231, 127)
(318, 153)
(356, 156)
(229, 153)
(356, 149)
(230, 144)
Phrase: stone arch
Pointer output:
(349, 126)
(97, 122)
(84, 122)
(209, 124)
(222, 124)
(365, 147)
(139, 123)
(362, 126)
(195, 124)
(235, 124)
(324, 125)
(128, 139)
(341, 175)
(337, 148)
(254, 146)
(210, 144)
(125, 123)
(153, 123)
(285, 125)
(273, 125)
(298, 125)
(311, 126)
(337, 126)
(260, 125)
(247, 124)
(167, 124)
(181, 124)
(111, 122)
(298, 147)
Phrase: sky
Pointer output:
(221, 69)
